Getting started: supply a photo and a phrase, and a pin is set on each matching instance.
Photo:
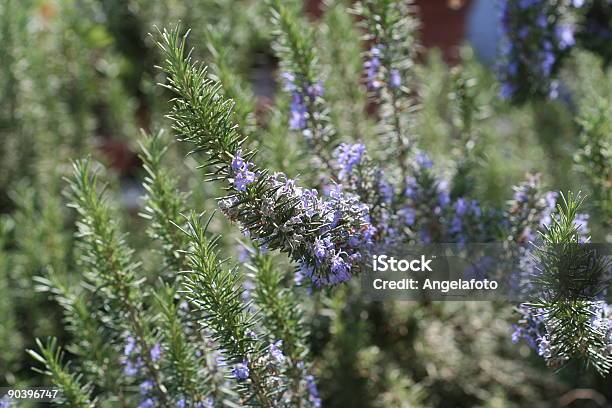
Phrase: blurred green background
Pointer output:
(78, 77)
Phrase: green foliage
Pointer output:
(73, 393)
(186, 378)
(594, 158)
(215, 290)
(281, 314)
(391, 29)
(76, 75)
(200, 114)
(572, 277)
(109, 267)
(164, 203)
(342, 67)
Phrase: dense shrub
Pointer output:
(368, 142)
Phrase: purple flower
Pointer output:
(527, 3)
(547, 62)
(244, 255)
(130, 346)
(316, 89)
(542, 21)
(456, 225)
(321, 247)
(475, 209)
(531, 327)
(409, 215)
(395, 80)
(220, 361)
(551, 200)
(507, 90)
(297, 120)
(367, 233)
(156, 352)
(516, 334)
(386, 190)
(313, 391)
(298, 277)
(544, 347)
(565, 36)
(289, 82)
(181, 403)
(302, 93)
(242, 175)
(241, 370)
(423, 161)
(348, 156)
(146, 386)
(340, 269)
(244, 179)
(461, 206)
(132, 363)
(132, 368)
(238, 162)
(530, 48)
(304, 271)
(443, 194)
(147, 403)
(276, 352)
(372, 66)
(520, 196)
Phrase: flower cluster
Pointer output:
(302, 94)
(276, 351)
(308, 390)
(241, 370)
(339, 253)
(534, 42)
(373, 68)
(374, 73)
(530, 327)
(530, 210)
(466, 220)
(313, 392)
(427, 199)
(133, 363)
(146, 387)
(131, 359)
(242, 174)
(326, 234)
(348, 156)
(184, 403)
